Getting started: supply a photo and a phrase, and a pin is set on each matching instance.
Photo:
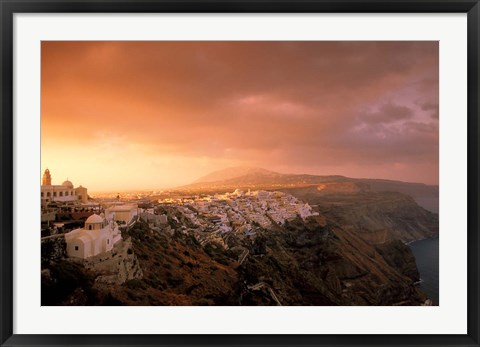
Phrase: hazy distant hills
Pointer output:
(425, 195)
(251, 177)
(258, 178)
(235, 172)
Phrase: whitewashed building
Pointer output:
(98, 236)
(64, 192)
(122, 212)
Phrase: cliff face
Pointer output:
(377, 216)
(314, 265)
(302, 263)
(70, 281)
(399, 256)
(115, 267)
(353, 253)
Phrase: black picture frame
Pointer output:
(10, 7)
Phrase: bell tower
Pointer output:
(47, 179)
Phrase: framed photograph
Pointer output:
(240, 173)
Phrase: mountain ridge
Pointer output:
(230, 173)
(233, 172)
(262, 179)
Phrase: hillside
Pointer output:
(234, 172)
(376, 216)
(303, 263)
(256, 178)
(348, 250)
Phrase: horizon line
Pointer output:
(170, 188)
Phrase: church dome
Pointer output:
(94, 219)
(68, 184)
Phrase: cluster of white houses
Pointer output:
(238, 211)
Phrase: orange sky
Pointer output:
(150, 115)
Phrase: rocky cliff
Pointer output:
(52, 248)
(377, 216)
(352, 253)
(70, 281)
(302, 263)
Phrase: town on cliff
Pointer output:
(334, 242)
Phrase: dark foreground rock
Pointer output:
(302, 263)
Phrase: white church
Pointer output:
(64, 192)
(98, 236)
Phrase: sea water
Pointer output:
(427, 258)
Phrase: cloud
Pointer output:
(278, 104)
(431, 107)
(388, 113)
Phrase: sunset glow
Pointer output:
(153, 115)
